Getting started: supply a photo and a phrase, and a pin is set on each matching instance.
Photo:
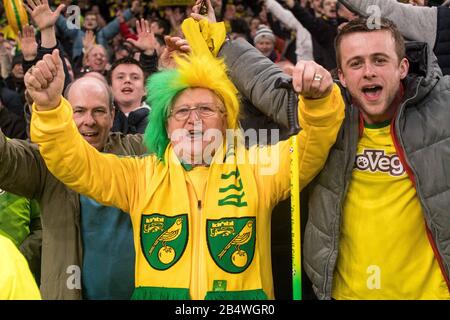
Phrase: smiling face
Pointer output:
(91, 111)
(127, 82)
(372, 71)
(96, 59)
(265, 45)
(191, 136)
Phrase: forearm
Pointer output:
(112, 29)
(304, 47)
(5, 65)
(48, 38)
(320, 120)
(303, 38)
(414, 22)
(149, 63)
(77, 164)
(254, 76)
(285, 16)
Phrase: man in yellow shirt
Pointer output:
(200, 203)
(379, 211)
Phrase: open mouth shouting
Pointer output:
(372, 92)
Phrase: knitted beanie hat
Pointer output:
(264, 32)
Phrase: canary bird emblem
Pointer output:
(163, 246)
(233, 251)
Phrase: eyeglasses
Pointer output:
(202, 110)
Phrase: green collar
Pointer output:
(186, 166)
(378, 125)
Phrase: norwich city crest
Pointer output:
(163, 239)
(231, 242)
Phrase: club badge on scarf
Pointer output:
(231, 242)
(163, 239)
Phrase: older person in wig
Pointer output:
(200, 203)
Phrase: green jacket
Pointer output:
(23, 172)
(20, 222)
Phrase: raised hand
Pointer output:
(174, 45)
(120, 17)
(28, 43)
(211, 16)
(89, 39)
(146, 39)
(311, 80)
(41, 13)
(45, 81)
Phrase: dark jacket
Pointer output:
(322, 32)
(136, 122)
(23, 172)
(11, 124)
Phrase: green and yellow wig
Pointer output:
(193, 71)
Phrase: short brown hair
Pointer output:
(364, 25)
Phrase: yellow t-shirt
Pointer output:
(384, 251)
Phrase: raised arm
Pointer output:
(45, 19)
(304, 49)
(113, 28)
(254, 76)
(414, 22)
(104, 177)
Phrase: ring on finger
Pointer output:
(318, 77)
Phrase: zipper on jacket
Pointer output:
(339, 209)
(196, 250)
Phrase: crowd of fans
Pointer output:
(122, 43)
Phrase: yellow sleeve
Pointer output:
(104, 177)
(320, 120)
(16, 280)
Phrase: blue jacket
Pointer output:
(77, 35)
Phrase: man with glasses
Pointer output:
(200, 203)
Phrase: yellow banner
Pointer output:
(165, 3)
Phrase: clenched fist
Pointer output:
(45, 81)
(311, 80)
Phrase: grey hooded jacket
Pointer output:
(422, 133)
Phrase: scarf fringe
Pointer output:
(236, 295)
(156, 293)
